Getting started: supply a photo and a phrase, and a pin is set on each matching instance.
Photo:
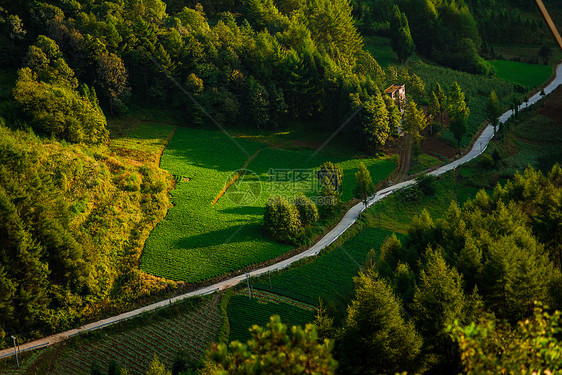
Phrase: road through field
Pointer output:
(347, 221)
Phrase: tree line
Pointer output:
(445, 31)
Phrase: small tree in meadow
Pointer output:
(364, 186)
(308, 212)
(281, 219)
(330, 178)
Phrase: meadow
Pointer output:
(199, 240)
(380, 48)
(530, 75)
(330, 277)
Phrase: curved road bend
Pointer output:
(347, 221)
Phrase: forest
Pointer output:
(77, 208)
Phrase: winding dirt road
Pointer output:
(347, 221)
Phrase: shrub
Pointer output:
(281, 219)
(308, 212)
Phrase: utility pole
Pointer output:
(248, 282)
(16, 350)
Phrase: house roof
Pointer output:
(393, 88)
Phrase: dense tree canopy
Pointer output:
(274, 349)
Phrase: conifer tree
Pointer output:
(458, 112)
(377, 337)
(364, 183)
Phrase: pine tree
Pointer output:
(414, 120)
(438, 302)
(458, 112)
(274, 349)
(400, 36)
(404, 282)
(394, 115)
(442, 99)
(364, 183)
(330, 178)
(434, 109)
(390, 255)
(376, 336)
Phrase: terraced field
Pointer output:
(244, 312)
(134, 349)
(199, 240)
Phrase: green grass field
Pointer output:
(199, 240)
(329, 277)
(530, 75)
(244, 312)
(380, 49)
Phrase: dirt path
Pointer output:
(404, 159)
(347, 221)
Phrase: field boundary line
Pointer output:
(236, 176)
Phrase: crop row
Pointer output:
(331, 275)
(268, 297)
(243, 313)
(134, 349)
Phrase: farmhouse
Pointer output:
(397, 92)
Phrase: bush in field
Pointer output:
(281, 219)
(308, 212)
(330, 179)
(365, 186)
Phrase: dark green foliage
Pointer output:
(376, 337)
(426, 183)
(46, 91)
(56, 258)
(414, 120)
(364, 187)
(308, 212)
(533, 345)
(330, 181)
(253, 63)
(281, 219)
(445, 31)
(400, 36)
(373, 121)
(458, 112)
(274, 349)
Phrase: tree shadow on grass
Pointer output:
(242, 233)
(244, 210)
